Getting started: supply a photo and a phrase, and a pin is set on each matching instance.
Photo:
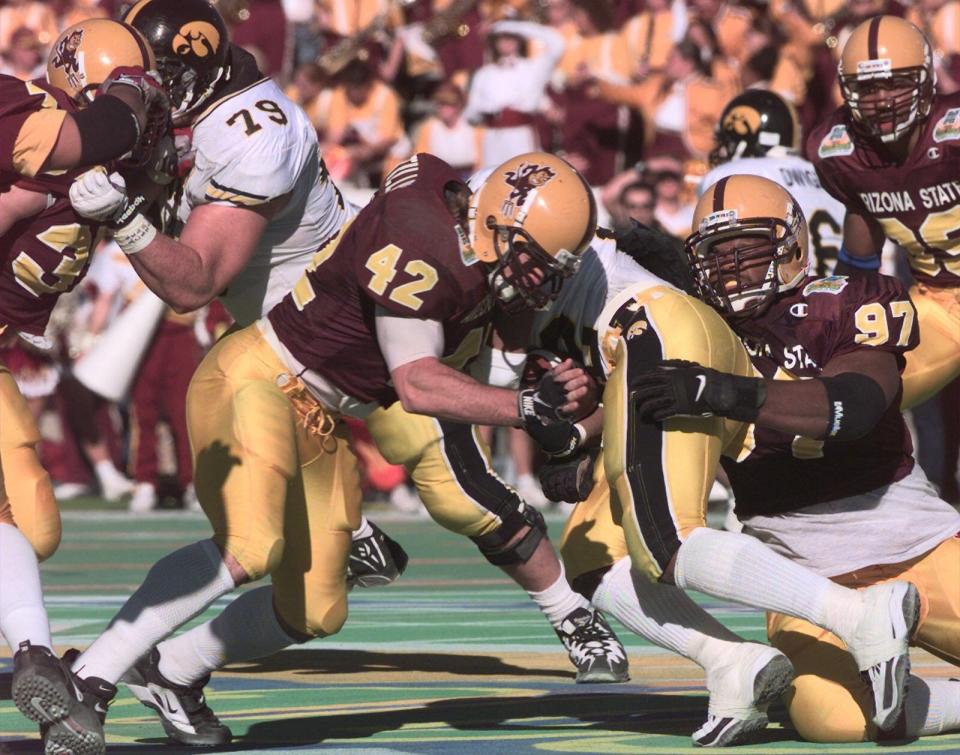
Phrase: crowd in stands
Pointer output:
(628, 91)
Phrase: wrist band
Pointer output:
(861, 263)
(136, 235)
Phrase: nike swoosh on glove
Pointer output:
(679, 388)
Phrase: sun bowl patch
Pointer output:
(948, 127)
(832, 284)
(836, 143)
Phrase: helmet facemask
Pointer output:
(744, 279)
(188, 89)
(525, 276)
(887, 104)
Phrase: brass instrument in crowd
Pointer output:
(334, 59)
(233, 11)
(447, 22)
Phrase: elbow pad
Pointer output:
(856, 403)
(108, 130)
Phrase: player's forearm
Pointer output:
(795, 408)
(429, 387)
(176, 273)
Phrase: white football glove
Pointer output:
(98, 195)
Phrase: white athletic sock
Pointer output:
(247, 628)
(558, 601)
(932, 706)
(22, 615)
(740, 568)
(106, 472)
(664, 615)
(364, 530)
(177, 588)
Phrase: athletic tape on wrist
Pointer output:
(136, 235)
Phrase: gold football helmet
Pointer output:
(749, 244)
(887, 77)
(530, 219)
(85, 54)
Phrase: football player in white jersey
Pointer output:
(759, 135)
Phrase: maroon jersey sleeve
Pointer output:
(31, 114)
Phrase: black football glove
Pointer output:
(569, 479)
(678, 388)
(539, 409)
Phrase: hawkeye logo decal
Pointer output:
(197, 38)
(837, 143)
(948, 127)
(526, 179)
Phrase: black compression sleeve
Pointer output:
(108, 129)
(856, 404)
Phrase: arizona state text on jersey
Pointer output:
(917, 202)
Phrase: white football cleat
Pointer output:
(144, 498)
(881, 644)
(741, 690)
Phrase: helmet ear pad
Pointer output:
(191, 44)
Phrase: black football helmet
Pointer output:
(190, 41)
(754, 123)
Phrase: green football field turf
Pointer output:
(452, 658)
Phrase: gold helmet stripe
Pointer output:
(873, 34)
(132, 13)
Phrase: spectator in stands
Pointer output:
(260, 27)
(25, 57)
(506, 94)
(680, 106)
(309, 90)
(364, 119)
(674, 210)
(448, 135)
(39, 17)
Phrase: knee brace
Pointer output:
(496, 547)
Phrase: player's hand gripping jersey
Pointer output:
(820, 320)
(403, 253)
(917, 202)
(252, 147)
(46, 254)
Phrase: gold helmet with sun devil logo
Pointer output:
(531, 219)
(749, 244)
(190, 41)
(85, 54)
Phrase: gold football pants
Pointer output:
(451, 467)
(936, 360)
(26, 494)
(282, 501)
(658, 477)
(828, 702)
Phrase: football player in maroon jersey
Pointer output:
(47, 126)
(388, 313)
(826, 475)
(891, 154)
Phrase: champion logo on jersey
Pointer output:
(832, 284)
(948, 127)
(836, 143)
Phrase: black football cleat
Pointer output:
(41, 687)
(375, 560)
(80, 732)
(183, 711)
(593, 648)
